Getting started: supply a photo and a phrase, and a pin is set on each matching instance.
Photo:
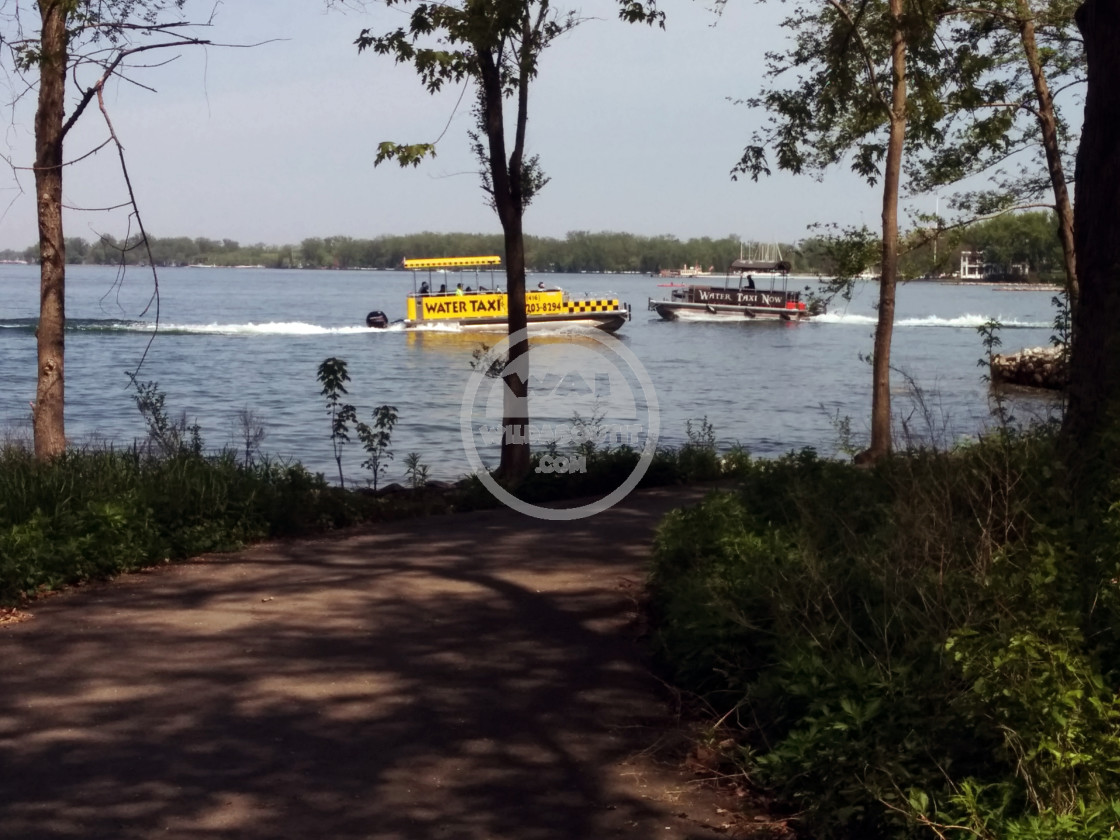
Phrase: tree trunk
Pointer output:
(1092, 424)
(1048, 124)
(48, 420)
(884, 330)
(514, 464)
(506, 181)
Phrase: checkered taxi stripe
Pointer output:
(576, 306)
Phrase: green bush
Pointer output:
(92, 514)
(915, 646)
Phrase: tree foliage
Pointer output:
(1014, 60)
(991, 113)
(836, 109)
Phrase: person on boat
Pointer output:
(443, 288)
(750, 282)
(459, 290)
(424, 288)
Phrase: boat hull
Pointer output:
(680, 311)
(745, 300)
(488, 311)
(609, 322)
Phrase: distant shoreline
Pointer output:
(794, 276)
(1008, 287)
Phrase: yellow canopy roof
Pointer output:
(451, 262)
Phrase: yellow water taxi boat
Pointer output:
(478, 307)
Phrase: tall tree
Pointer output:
(1011, 58)
(868, 86)
(496, 46)
(89, 43)
(1092, 425)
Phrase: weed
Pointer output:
(251, 433)
(698, 458)
(376, 438)
(926, 424)
(486, 361)
(415, 471)
(846, 443)
(333, 376)
(989, 337)
(166, 437)
(1062, 324)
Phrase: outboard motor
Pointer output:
(377, 319)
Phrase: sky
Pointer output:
(275, 143)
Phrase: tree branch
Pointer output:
(864, 52)
(155, 298)
(95, 88)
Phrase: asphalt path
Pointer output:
(477, 676)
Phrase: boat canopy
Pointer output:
(761, 265)
(451, 262)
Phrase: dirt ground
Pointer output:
(475, 676)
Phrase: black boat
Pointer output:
(753, 290)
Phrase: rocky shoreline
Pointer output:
(1032, 367)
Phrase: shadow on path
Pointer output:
(469, 676)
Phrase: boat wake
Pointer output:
(118, 325)
(293, 328)
(967, 321)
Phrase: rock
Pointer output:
(1033, 367)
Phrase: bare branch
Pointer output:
(95, 88)
(155, 298)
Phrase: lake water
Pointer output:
(232, 339)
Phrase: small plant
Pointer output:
(252, 432)
(416, 472)
(927, 424)
(846, 443)
(587, 432)
(735, 461)
(487, 362)
(375, 440)
(989, 337)
(166, 437)
(333, 376)
(1062, 325)
(702, 435)
(699, 458)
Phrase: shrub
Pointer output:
(905, 644)
(91, 514)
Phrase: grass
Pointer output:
(92, 514)
(97, 512)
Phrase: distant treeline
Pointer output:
(576, 252)
(1027, 238)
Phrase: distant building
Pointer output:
(973, 267)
